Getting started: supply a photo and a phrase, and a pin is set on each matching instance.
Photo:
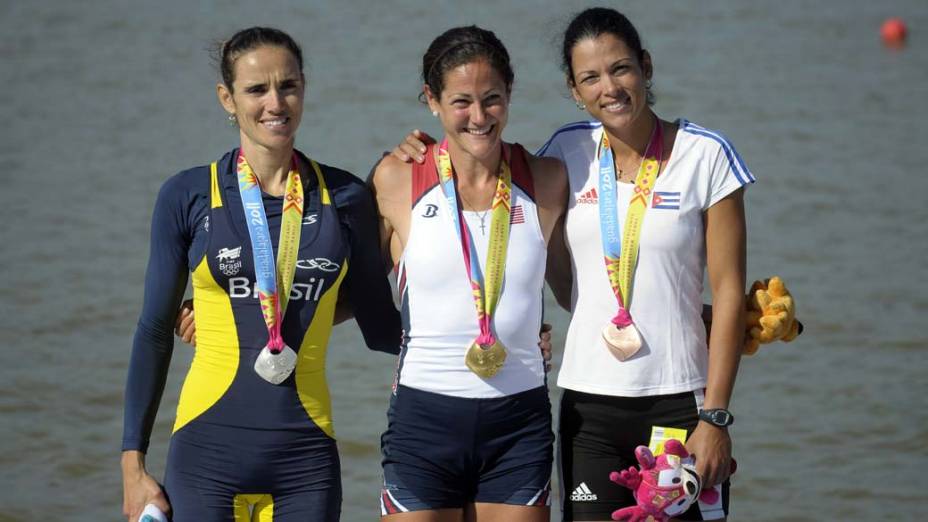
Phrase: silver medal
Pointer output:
(275, 368)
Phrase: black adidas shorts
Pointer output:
(599, 434)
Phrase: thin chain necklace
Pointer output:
(482, 217)
(620, 172)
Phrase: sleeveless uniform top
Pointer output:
(668, 282)
(221, 389)
(438, 311)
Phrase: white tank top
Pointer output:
(439, 316)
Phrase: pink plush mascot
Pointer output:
(665, 487)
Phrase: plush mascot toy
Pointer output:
(665, 486)
(771, 315)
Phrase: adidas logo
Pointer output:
(583, 494)
(588, 198)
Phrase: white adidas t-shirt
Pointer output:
(668, 282)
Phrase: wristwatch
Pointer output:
(717, 417)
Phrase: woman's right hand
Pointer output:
(184, 326)
(139, 488)
(413, 147)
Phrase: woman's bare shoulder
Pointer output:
(549, 176)
(391, 177)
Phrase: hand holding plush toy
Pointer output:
(771, 315)
(665, 487)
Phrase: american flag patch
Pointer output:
(516, 217)
(666, 200)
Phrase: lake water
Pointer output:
(105, 100)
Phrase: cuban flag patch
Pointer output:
(666, 200)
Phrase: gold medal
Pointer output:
(485, 361)
(622, 342)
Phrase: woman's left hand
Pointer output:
(711, 446)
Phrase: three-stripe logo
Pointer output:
(590, 197)
(582, 493)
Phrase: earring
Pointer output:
(435, 113)
(233, 121)
(580, 106)
(647, 84)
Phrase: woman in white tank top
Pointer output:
(477, 207)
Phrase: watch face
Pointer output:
(720, 418)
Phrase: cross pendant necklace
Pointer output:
(483, 223)
(482, 217)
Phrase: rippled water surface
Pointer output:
(105, 100)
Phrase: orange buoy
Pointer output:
(893, 32)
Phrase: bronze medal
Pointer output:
(622, 342)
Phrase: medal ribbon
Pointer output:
(270, 279)
(486, 296)
(619, 268)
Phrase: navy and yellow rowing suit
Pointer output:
(243, 447)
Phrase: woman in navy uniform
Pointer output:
(253, 436)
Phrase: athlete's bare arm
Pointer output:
(552, 188)
(550, 179)
(558, 271)
(391, 183)
(725, 263)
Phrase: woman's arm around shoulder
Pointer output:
(550, 178)
(552, 192)
(391, 182)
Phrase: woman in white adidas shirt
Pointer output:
(693, 221)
